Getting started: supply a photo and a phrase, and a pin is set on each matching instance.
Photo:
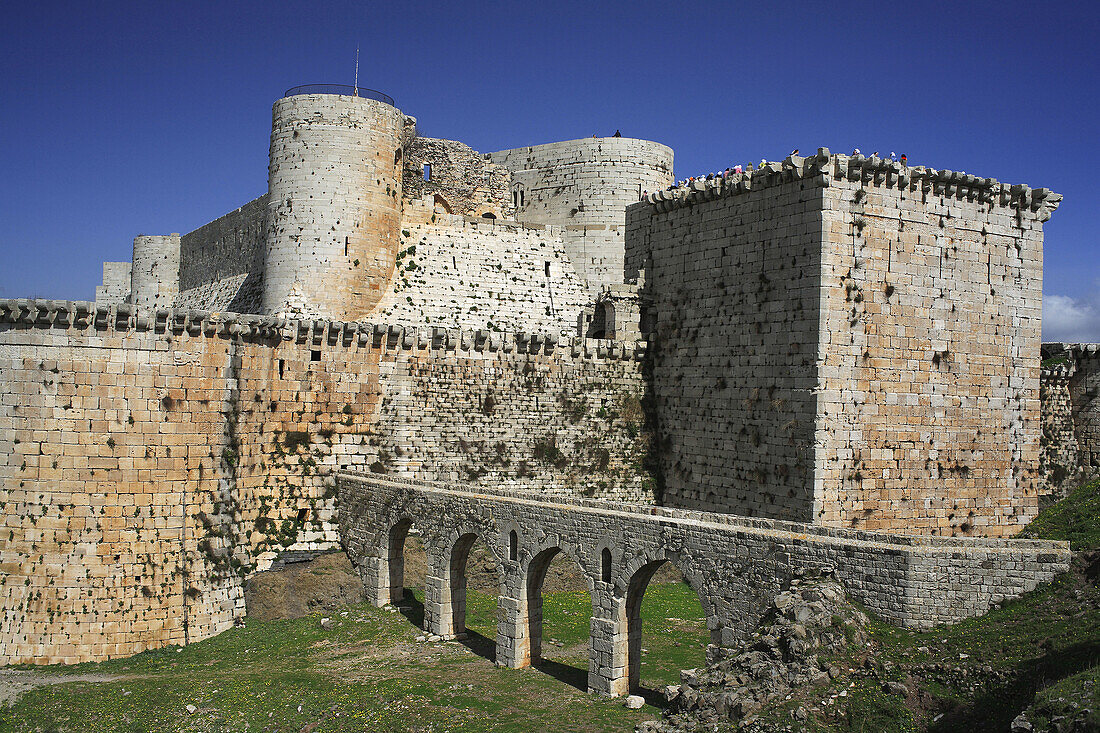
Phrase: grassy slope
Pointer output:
(979, 674)
(368, 674)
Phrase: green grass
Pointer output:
(367, 674)
(1036, 648)
(1075, 518)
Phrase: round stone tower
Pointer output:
(334, 204)
(584, 186)
(155, 272)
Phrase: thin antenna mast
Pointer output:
(357, 69)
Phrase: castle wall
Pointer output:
(929, 359)
(1070, 396)
(735, 285)
(915, 300)
(584, 186)
(222, 263)
(1059, 451)
(1084, 388)
(155, 271)
(334, 205)
(462, 272)
(116, 283)
(466, 180)
(150, 461)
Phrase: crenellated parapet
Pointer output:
(121, 318)
(823, 168)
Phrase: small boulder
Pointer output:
(633, 702)
(895, 688)
(328, 624)
(191, 709)
(1021, 724)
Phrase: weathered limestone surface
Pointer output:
(222, 263)
(155, 272)
(1070, 391)
(150, 459)
(498, 275)
(735, 564)
(116, 283)
(332, 238)
(460, 180)
(584, 186)
(848, 341)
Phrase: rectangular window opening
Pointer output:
(315, 355)
(281, 365)
(427, 171)
(303, 514)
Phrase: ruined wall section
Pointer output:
(467, 182)
(584, 186)
(1070, 444)
(222, 263)
(462, 272)
(734, 282)
(1084, 389)
(1059, 453)
(929, 369)
(334, 205)
(150, 460)
(116, 283)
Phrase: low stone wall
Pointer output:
(735, 564)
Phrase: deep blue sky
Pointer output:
(153, 117)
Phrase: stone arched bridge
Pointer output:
(735, 564)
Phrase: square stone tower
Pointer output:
(848, 341)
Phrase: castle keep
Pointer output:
(552, 341)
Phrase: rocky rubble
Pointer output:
(1070, 708)
(790, 647)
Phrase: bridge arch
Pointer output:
(449, 601)
(535, 562)
(634, 581)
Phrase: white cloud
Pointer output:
(1075, 320)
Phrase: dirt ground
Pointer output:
(329, 582)
(15, 682)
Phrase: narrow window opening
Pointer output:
(281, 365)
(427, 171)
(345, 246)
(605, 565)
(315, 355)
(515, 198)
(303, 514)
(521, 197)
(513, 545)
(547, 268)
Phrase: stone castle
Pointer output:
(827, 359)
